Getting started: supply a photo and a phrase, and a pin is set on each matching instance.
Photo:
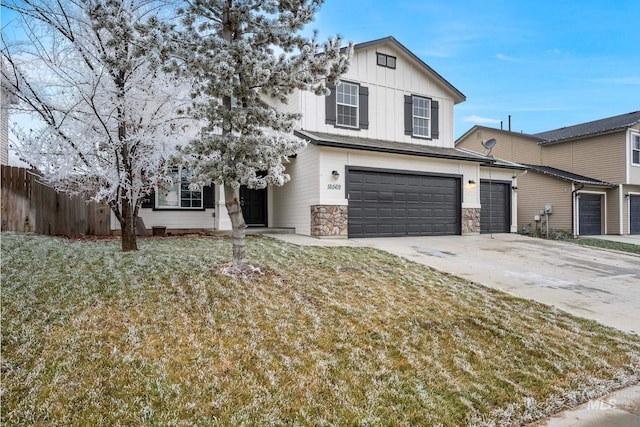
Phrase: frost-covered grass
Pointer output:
(608, 244)
(327, 336)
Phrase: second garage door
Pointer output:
(590, 216)
(634, 214)
(495, 199)
(391, 203)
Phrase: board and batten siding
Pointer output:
(292, 201)
(387, 88)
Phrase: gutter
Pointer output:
(573, 208)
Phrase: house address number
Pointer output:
(334, 186)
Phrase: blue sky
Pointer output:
(548, 64)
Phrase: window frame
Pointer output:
(344, 104)
(415, 116)
(635, 149)
(385, 60)
(179, 185)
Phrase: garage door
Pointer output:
(590, 217)
(402, 204)
(495, 199)
(634, 211)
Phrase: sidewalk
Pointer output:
(619, 409)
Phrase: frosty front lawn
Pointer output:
(343, 336)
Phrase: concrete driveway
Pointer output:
(588, 282)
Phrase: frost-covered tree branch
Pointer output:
(90, 72)
(241, 52)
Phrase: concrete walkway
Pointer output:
(588, 282)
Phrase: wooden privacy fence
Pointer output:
(28, 205)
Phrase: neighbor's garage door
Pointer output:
(634, 211)
(399, 204)
(590, 216)
(495, 200)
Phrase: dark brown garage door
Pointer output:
(634, 214)
(495, 201)
(385, 203)
(590, 216)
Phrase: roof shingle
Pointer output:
(595, 127)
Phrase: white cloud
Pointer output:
(506, 58)
(480, 120)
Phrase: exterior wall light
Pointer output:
(335, 174)
(472, 182)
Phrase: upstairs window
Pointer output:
(178, 195)
(387, 61)
(635, 149)
(347, 104)
(421, 117)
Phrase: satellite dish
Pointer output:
(489, 144)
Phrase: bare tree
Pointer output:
(107, 116)
(241, 53)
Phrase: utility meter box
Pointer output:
(536, 218)
(548, 209)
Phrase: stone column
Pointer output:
(329, 221)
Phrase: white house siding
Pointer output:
(313, 183)
(176, 220)
(387, 88)
(291, 202)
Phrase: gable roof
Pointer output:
(568, 176)
(457, 95)
(382, 146)
(505, 132)
(596, 127)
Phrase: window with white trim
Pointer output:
(347, 104)
(635, 149)
(178, 195)
(421, 117)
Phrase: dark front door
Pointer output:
(495, 202)
(254, 206)
(634, 214)
(590, 216)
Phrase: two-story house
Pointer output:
(589, 174)
(380, 161)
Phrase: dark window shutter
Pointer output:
(208, 197)
(364, 107)
(435, 131)
(408, 115)
(149, 201)
(330, 106)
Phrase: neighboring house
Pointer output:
(380, 161)
(589, 174)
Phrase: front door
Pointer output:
(254, 206)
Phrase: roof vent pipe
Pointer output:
(501, 124)
(509, 122)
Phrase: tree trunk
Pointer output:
(128, 226)
(232, 202)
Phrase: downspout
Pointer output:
(621, 208)
(573, 208)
